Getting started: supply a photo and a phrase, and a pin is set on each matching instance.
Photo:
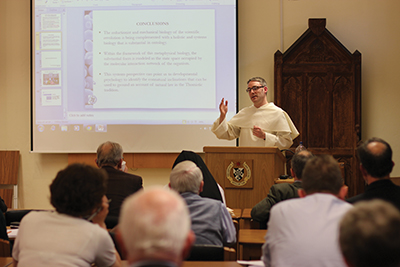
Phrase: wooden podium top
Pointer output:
(244, 149)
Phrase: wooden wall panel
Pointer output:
(9, 164)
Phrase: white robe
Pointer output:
(275, 122)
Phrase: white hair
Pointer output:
(186, 177)
(154, 222)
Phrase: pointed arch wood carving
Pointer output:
(318, 83)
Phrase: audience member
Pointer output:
(67, 237)
(279, 192)
(375, 156)
(304, 231)
(3, 206)
(369, 235)
(120, 184)
(154, 229)
(211, 189)
(211, 221)
(3, 227)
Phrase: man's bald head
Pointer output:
(375, 156)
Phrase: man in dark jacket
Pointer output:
(280, 192)
(375, 156)
(120, 183)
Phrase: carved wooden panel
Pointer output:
(318, 83)
(9, 163)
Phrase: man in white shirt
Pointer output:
(262, 124)
(304, 231)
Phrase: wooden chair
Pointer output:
(230, 254)
(317, 77)
(5, 250)
(206, 253)
(247, 222)
(230, 251)
(111, 221)
(15, 216)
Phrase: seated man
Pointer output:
(120, 184)
(280, 192)
(154, 229)
(211, 188)
(304, 231)
(369, 235)
(3, 206)
(375, 156)
(211, 221)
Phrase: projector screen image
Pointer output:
(148, 74)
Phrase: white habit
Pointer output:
(275, 122)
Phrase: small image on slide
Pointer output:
(88, 59)
(51, 78)
(51, 97)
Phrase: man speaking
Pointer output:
(262, 124)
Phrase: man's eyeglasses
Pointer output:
(254, 88)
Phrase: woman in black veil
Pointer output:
(210, 188)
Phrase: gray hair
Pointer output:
(154, 223)
(109, 153)
(186, 177)
(299, 160)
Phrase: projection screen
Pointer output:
(148, 74)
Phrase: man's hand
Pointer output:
(257, 131)
(102, 213)
(223, 109)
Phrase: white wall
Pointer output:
(369, 26)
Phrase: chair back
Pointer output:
(5, 250)
(15, 216)
(206, 253)
(111, 221)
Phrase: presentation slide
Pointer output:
(147, 74)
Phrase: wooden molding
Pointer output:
(133, 160)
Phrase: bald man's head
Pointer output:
(375, 155)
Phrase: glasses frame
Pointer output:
(254, 88)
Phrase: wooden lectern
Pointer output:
(245, 173)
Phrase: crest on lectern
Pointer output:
(238, 172)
